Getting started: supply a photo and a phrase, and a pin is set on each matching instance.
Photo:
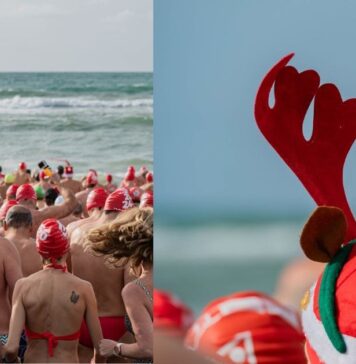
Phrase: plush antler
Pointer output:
(317, 162)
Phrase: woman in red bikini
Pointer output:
(52, 304)
(129, 240)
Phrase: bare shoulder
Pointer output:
(7, 247)
(130, 292)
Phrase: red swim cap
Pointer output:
(68, 171)
(146, 200)
(136, 193)
(149, 177)
(92, 178)
(11, 192)
(96, 198)
(6, 207)
(109, 178)
(22, 166)
(248, 327)
(171, 313)
(119, 200)
(52, 239)
(25, 192)
(130, 174)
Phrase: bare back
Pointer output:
(54, 302)
(107, 283)
(72, 184)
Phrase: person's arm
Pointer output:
(12, 266)
(63, 210)
(17, 323)
(93, 323)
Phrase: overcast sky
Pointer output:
(76, 35)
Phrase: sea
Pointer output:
(199, 262)
(94, 120)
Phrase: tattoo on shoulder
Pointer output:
(74, 297)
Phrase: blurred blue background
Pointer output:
(216, 177)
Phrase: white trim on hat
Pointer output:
(320, 342)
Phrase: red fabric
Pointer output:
(25, 192)
(52, 239)
(135, 193)
(96, 198)
(170, 312)
(318, 163)
(11, 191)
(68, 170)
(233, 329)
(130, 174)
(149, 177)
(92, 178)
(108, 178)
(119, 200)
(52, 339)
(22, 166)
(113, 328)
(6, 207)
(147, 200)
(43, 175)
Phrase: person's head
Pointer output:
(108, 178)
(26, 196)
(68, 172)
(22, 166)
(146, 200)
(130, 174)
(248, 327)
(11, 192)
(96, 200)
(40, 193)
(143, 171)
(149, 177)
(0, 169)
(171, 315)
(60, 170)
(18, 218)
(5, 208)
(91, 179)
(126, 240)
(9, 179)
(52, 241)
(50, 196)
(117, 201)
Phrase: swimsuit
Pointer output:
(128, 322)
(113, 328)
(52, 339)
(22, 345)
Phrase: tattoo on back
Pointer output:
(74, 297)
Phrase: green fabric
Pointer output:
(327, 296)
(39, 192)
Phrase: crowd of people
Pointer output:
(76, 260)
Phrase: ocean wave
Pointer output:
(19, 103)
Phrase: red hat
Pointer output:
(130, 174)
(68, 171)
(146, 200)
(52, 239)
(22, 166)
(149, 177)
(171, 313)
(96, 198)
(92, 178)
(109, 178)
(136, 193)
(11, 191)
(25, 192)
(6, 207)
(248, 327)
(119, 200)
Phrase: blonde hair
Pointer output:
(127, 239)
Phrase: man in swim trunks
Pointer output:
(10, 272)
(26, 196)
(107, 283)
(52, 304)
(18, 230)
(68, 181)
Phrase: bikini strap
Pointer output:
(147, 292)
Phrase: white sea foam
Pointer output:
(28, 103)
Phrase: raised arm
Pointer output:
(17, 324)
(61, 210)
(92, 320)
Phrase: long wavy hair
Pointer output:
(127, 239)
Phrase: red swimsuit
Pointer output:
(52, 339)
